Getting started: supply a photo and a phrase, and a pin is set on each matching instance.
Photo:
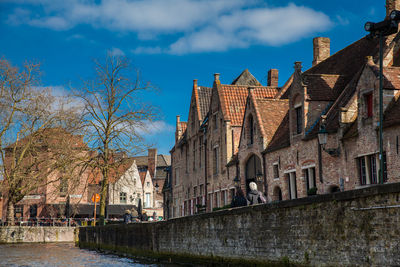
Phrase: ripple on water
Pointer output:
(59, 254)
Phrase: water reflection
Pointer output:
(56, 254)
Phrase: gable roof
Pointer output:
(142, 175)
(203, 101)
(392, 114)
(327, 80)
(281, 138)
(246, 78)
(233, 100)
(270, 114)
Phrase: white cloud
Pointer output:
(147, 50)
(63, 99)
(155, 128)
(193, 25)
(116, 52)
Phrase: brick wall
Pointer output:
(338, 229)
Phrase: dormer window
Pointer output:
(368, 105)
(299, 119)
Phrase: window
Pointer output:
(292, 185)
(194, 154)
(200, 145)
(251, 130)
(195, 191)
(215, 160)
(299, 120)
(309, 175)
(63, 187)
(367, 168)
(368, 105)
(215, 121)
(176, 176)
(33, 211)
(147, 201)
(148, 184)
(276, 171)
(122, 197)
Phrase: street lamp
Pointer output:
(259, 177)
(236, 181)
(323, 138)
(381, 29)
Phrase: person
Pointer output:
(255, 196)
(144, 217)
(127, 217)
(239, 199)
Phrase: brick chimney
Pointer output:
(392, 5)
(152, 161)
(322, 49)
(273, 76)
(178, 130)
(195, 84)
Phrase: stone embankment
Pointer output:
(27, 234)
(359, 227)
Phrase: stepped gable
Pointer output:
(281, 138)
(246, 78)
(234, 98)
(204, 97)
(270, 114)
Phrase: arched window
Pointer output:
(251, 130)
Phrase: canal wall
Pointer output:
(27, 234)
(359, 227)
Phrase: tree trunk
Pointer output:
(10, 213)
(103, 196)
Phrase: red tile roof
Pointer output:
(281, 138)
(233, 100)
(142, 175)
(203, 101)
(270, 113)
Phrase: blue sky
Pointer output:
(173, 42)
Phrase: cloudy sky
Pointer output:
(173, 42)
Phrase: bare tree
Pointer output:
(114, 116)
(33, 126)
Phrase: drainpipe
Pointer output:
(320, 163)
(265, 176)
(205, 170)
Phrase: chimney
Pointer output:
(178, 131)
(273, 76)
(195, 83)
(216, 77)
(297, 66)
(322, 49)
(392, 5)
(152, 161)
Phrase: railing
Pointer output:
(61, 222)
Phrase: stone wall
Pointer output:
(26, 234)
(358, 227)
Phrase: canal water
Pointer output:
(61, 254)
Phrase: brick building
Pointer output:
(270, 135)
(209, 141)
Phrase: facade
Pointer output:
(58, 185)
(209, 140)
(269, 135)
